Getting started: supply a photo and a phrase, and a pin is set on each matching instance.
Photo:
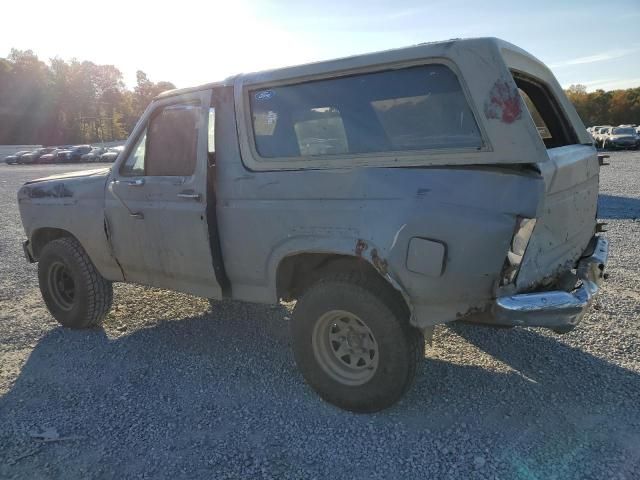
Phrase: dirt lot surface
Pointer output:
(168, 389)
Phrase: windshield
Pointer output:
(623, 131)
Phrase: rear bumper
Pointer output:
(558, 310)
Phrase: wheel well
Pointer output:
(42, 236)
(297, 272)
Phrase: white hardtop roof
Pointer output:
(414, 52)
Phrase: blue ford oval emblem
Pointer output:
(264, 95)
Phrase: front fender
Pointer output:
(74, 204)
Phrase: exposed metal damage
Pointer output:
(45, 190)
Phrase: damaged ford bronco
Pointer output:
(385, 193)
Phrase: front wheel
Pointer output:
(353, 343)
(72, 288)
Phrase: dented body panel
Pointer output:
(74, 203)
(566, 217)
(437, 225)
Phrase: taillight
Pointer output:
(521, 236)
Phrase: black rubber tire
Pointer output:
(401, 346)
(93, 294)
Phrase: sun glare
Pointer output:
(198, 42)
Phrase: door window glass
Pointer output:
(172, 140)
(168, 147)
(134, 165)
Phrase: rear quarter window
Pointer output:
(547, 115)
(413, 108)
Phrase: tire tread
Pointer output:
(99, 290)
(379, 288)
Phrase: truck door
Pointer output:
(156, 199)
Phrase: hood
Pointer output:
(66, 188)
(97, 172)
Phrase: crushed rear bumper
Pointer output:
(558, 310)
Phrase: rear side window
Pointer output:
(552, 125)
(415, 108)
(543, 130)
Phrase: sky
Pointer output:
(595, 43)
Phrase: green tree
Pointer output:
(68, 102)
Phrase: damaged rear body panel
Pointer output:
(566, 218)
(439, 223)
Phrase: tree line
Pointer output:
(73, 102)
(616, 107)
(62, 102)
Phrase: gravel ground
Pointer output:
(168, 389)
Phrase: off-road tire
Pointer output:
(93, 295)
(400, 346)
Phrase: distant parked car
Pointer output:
(49, 157)
(600, 134)
(34, 156)
(11, 159)
(620, 138)
(73, 154)
(111, 154)
(93, 155)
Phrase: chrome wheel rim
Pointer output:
(345, 347)
(61, 285)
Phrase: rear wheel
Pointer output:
(73, 290)
(353, 343)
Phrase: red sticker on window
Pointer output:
(503, 103)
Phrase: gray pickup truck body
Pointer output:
(437, 225)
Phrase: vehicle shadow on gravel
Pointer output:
(221, 392)
(618, 208)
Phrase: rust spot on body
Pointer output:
(380, 263)
(504, 103)
(361, 246)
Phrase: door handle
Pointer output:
(138, 182)
(190, 196)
